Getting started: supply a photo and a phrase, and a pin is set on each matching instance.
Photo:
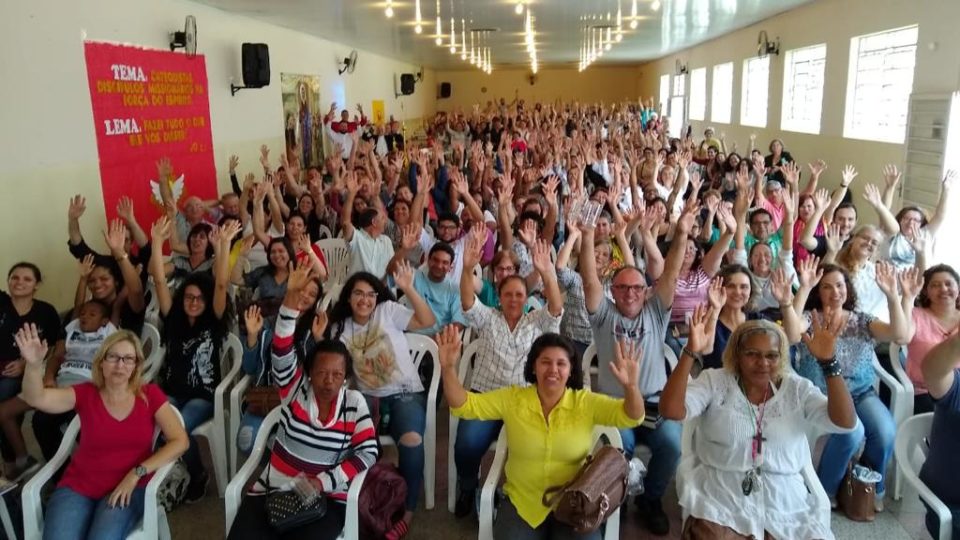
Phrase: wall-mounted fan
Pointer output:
(349, 63)
(680, 68)
(186, 40)
(765, 46)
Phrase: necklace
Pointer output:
(751, 479)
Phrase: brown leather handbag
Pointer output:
(261, 400)
(856, 498)
(598, 489)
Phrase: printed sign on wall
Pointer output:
(149, 104)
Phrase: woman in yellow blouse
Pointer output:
(549, 424)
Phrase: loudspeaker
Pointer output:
(407, 83)
(256, 65)
(445, 90)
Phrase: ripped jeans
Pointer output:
(407, 413)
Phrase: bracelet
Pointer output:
(691, 354)
(831, 368)
(124, 256)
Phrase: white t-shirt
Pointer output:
(381, 354)
(80, 348)
(258, 254)
(368, 254)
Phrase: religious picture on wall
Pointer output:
(303, 119)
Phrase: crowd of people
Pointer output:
(543, 229)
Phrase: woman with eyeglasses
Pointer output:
(833, 298)
(856, 258)
(372, 323)
(101, 494)
(745, 479)
(196, 320)
(506, 335)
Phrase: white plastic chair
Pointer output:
(420, 346)
(152, 311)
(910, 448)
(689, 460)
(902, 407)
(215, 430)
(235, 490)
(233, 422)
(153, 349)
(337, 254)
(330, 296)
(589, 356)
(464, 371)
(154, 524)
(612, 530)
(324, 232)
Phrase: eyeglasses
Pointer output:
(505, 269)
(113, 358)
(870, 241)
(635, 289)
(447, 226)
(193, 298)
(771, 357)
(358, 294)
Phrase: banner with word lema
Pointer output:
(150, 104)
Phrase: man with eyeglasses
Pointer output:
(640, 314)
(433, 286)
(449, 230)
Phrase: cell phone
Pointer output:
(689, 131)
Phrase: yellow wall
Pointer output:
(596, 84)
(832, 22)
(49, 149)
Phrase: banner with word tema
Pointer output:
(149, 104)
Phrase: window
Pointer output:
(721, 97)
(879, 85)
(698, 94)
(803, 89)
(664, 92)
(677, 104)
(753, 99)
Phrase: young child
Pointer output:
(84, 335)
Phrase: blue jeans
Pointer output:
(664, 444)
(408, 413)
(71, 515)
(195, 412)
(876, 423)
(474, 438)
(9, 388)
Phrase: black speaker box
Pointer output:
(256, 65)
(407, 83)
(445, 90)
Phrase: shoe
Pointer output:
(652, 514)
(878, 502)
(197, 490)
(17, 472)
(466, 500)
(833, 503)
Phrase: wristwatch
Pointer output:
(140, 471)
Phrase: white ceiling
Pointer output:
(675, 25)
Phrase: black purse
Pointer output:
(286, 510)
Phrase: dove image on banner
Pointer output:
(150, 104)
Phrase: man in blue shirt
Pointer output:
(441, 295)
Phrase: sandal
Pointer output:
(399, 530)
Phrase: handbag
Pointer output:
(382, 499)
(286, 510)
(261, 400)
(598, 489)
(856, 496)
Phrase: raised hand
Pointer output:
(115, 236)
(872, 195)
(817, 167)
(687, 219)
(780, 287)
(550, 189)
(265, 157)
(911, 282)
(821, 198)
(85, 266)
(350, 180)
(717, 293)
(541, 258)
(230, 229)
(234, 161)
(950, 179)
(32, 349)
(448, 344)
(528, 233)
(891, 175)
(319, 325)
(809, 272)
(847, 175)
(160, 231)
(625, 367)
(410, 235)
(472, 252)
(253, 320)
(125, 209)
(403, 276)
(887, 278)
(697, 337)
(728, 219)
(791, 172)
(78, 205)
(821, 338)
(298, 277)
(164, 169)
(834, 242)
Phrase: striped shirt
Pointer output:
(333, 449)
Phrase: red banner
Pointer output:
(149, 104)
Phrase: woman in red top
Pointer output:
(102, 491)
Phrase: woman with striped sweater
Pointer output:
(325, 432)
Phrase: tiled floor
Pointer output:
(900, 521)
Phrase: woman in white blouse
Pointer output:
(746, 481)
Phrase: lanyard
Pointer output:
(756, 450)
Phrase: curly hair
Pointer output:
(546, 341)
(342, 310)
(177, 323)
(814, 301)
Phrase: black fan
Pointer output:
(349, 63)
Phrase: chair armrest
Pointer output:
(236, 406)
(901, 403)
(234, 491)
(490, 487)
(153, 369)
(351, 524)
(30, 494)
(151, 508)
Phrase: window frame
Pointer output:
(720, 114)
(697, 104)
(815, 58)
(748, 93)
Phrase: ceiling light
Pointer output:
(389, 11)
(519, 9)
(439, 39)
(633, 15)
(419, 28)
(453, 32)
(655, 5)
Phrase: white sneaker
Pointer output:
(878, 502)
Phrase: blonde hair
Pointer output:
(135, 385)
(845, 257)
(731, 355)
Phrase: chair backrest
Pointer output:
(910, 445)
(232, 352)
(330, 296)
(465, 369)
(587, 361)
(324, 232)
(337, 254)
(419, 347)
